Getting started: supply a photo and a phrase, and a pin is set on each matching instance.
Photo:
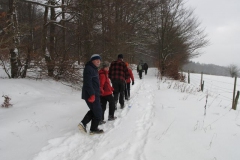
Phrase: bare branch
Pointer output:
(45, 5)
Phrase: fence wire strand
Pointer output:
(195, 80)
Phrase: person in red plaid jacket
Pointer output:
(118, 73)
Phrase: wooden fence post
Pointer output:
(188, 77)
(201, 81)
(236, 101)
(234, 90)
(202, 86)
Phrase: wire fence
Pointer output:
(223, 89)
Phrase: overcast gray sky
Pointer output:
(221, 20)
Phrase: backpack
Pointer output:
(139, 67)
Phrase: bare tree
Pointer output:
(176, 34)
(14, 51)
(17, 37)
(233, 70)
(70, 31)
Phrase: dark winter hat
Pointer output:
(120, 56)
(105, 64)
(95, 56)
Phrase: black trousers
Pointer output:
(145, 71)
(110, 100)
(140, 74)
(94, 114)
(127, 90)
(119, 87)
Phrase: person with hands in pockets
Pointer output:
(106, 91)
(91, 95)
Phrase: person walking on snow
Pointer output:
(140, 69)
(128, 82)
(106, 91)
(145, 67)
(118, 73)
(91, 95)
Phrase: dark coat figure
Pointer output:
(91, 94)
(145, 67)
(118, 73)
(140, 70)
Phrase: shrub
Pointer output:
(6, 103)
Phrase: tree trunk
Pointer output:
(62, 66)
(79, 43)
(52, 41)
(44, 40)
(14, 63)
(88, 28)
(24, 73)
(30, 45)
(163, 68)
(13, 50)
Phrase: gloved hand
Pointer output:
(91, 99)
(102, 91)
(132, 82)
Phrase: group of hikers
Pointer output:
(110, 84)
(142, 67)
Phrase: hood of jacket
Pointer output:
(102, 71)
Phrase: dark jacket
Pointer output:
(145, 66)
(118, 71)
(91, 84)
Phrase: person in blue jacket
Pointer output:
(91, 94)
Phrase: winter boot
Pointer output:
(122, 106)
(82, 127)
(102, 122)
(111, 118)
(97, 131)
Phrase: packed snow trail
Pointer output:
(165, 121)
(124, 138)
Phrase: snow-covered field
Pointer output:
(163, 120)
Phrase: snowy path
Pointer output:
(124, 138)
(165, 121)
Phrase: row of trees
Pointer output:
(51, 36)
(231, 70)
